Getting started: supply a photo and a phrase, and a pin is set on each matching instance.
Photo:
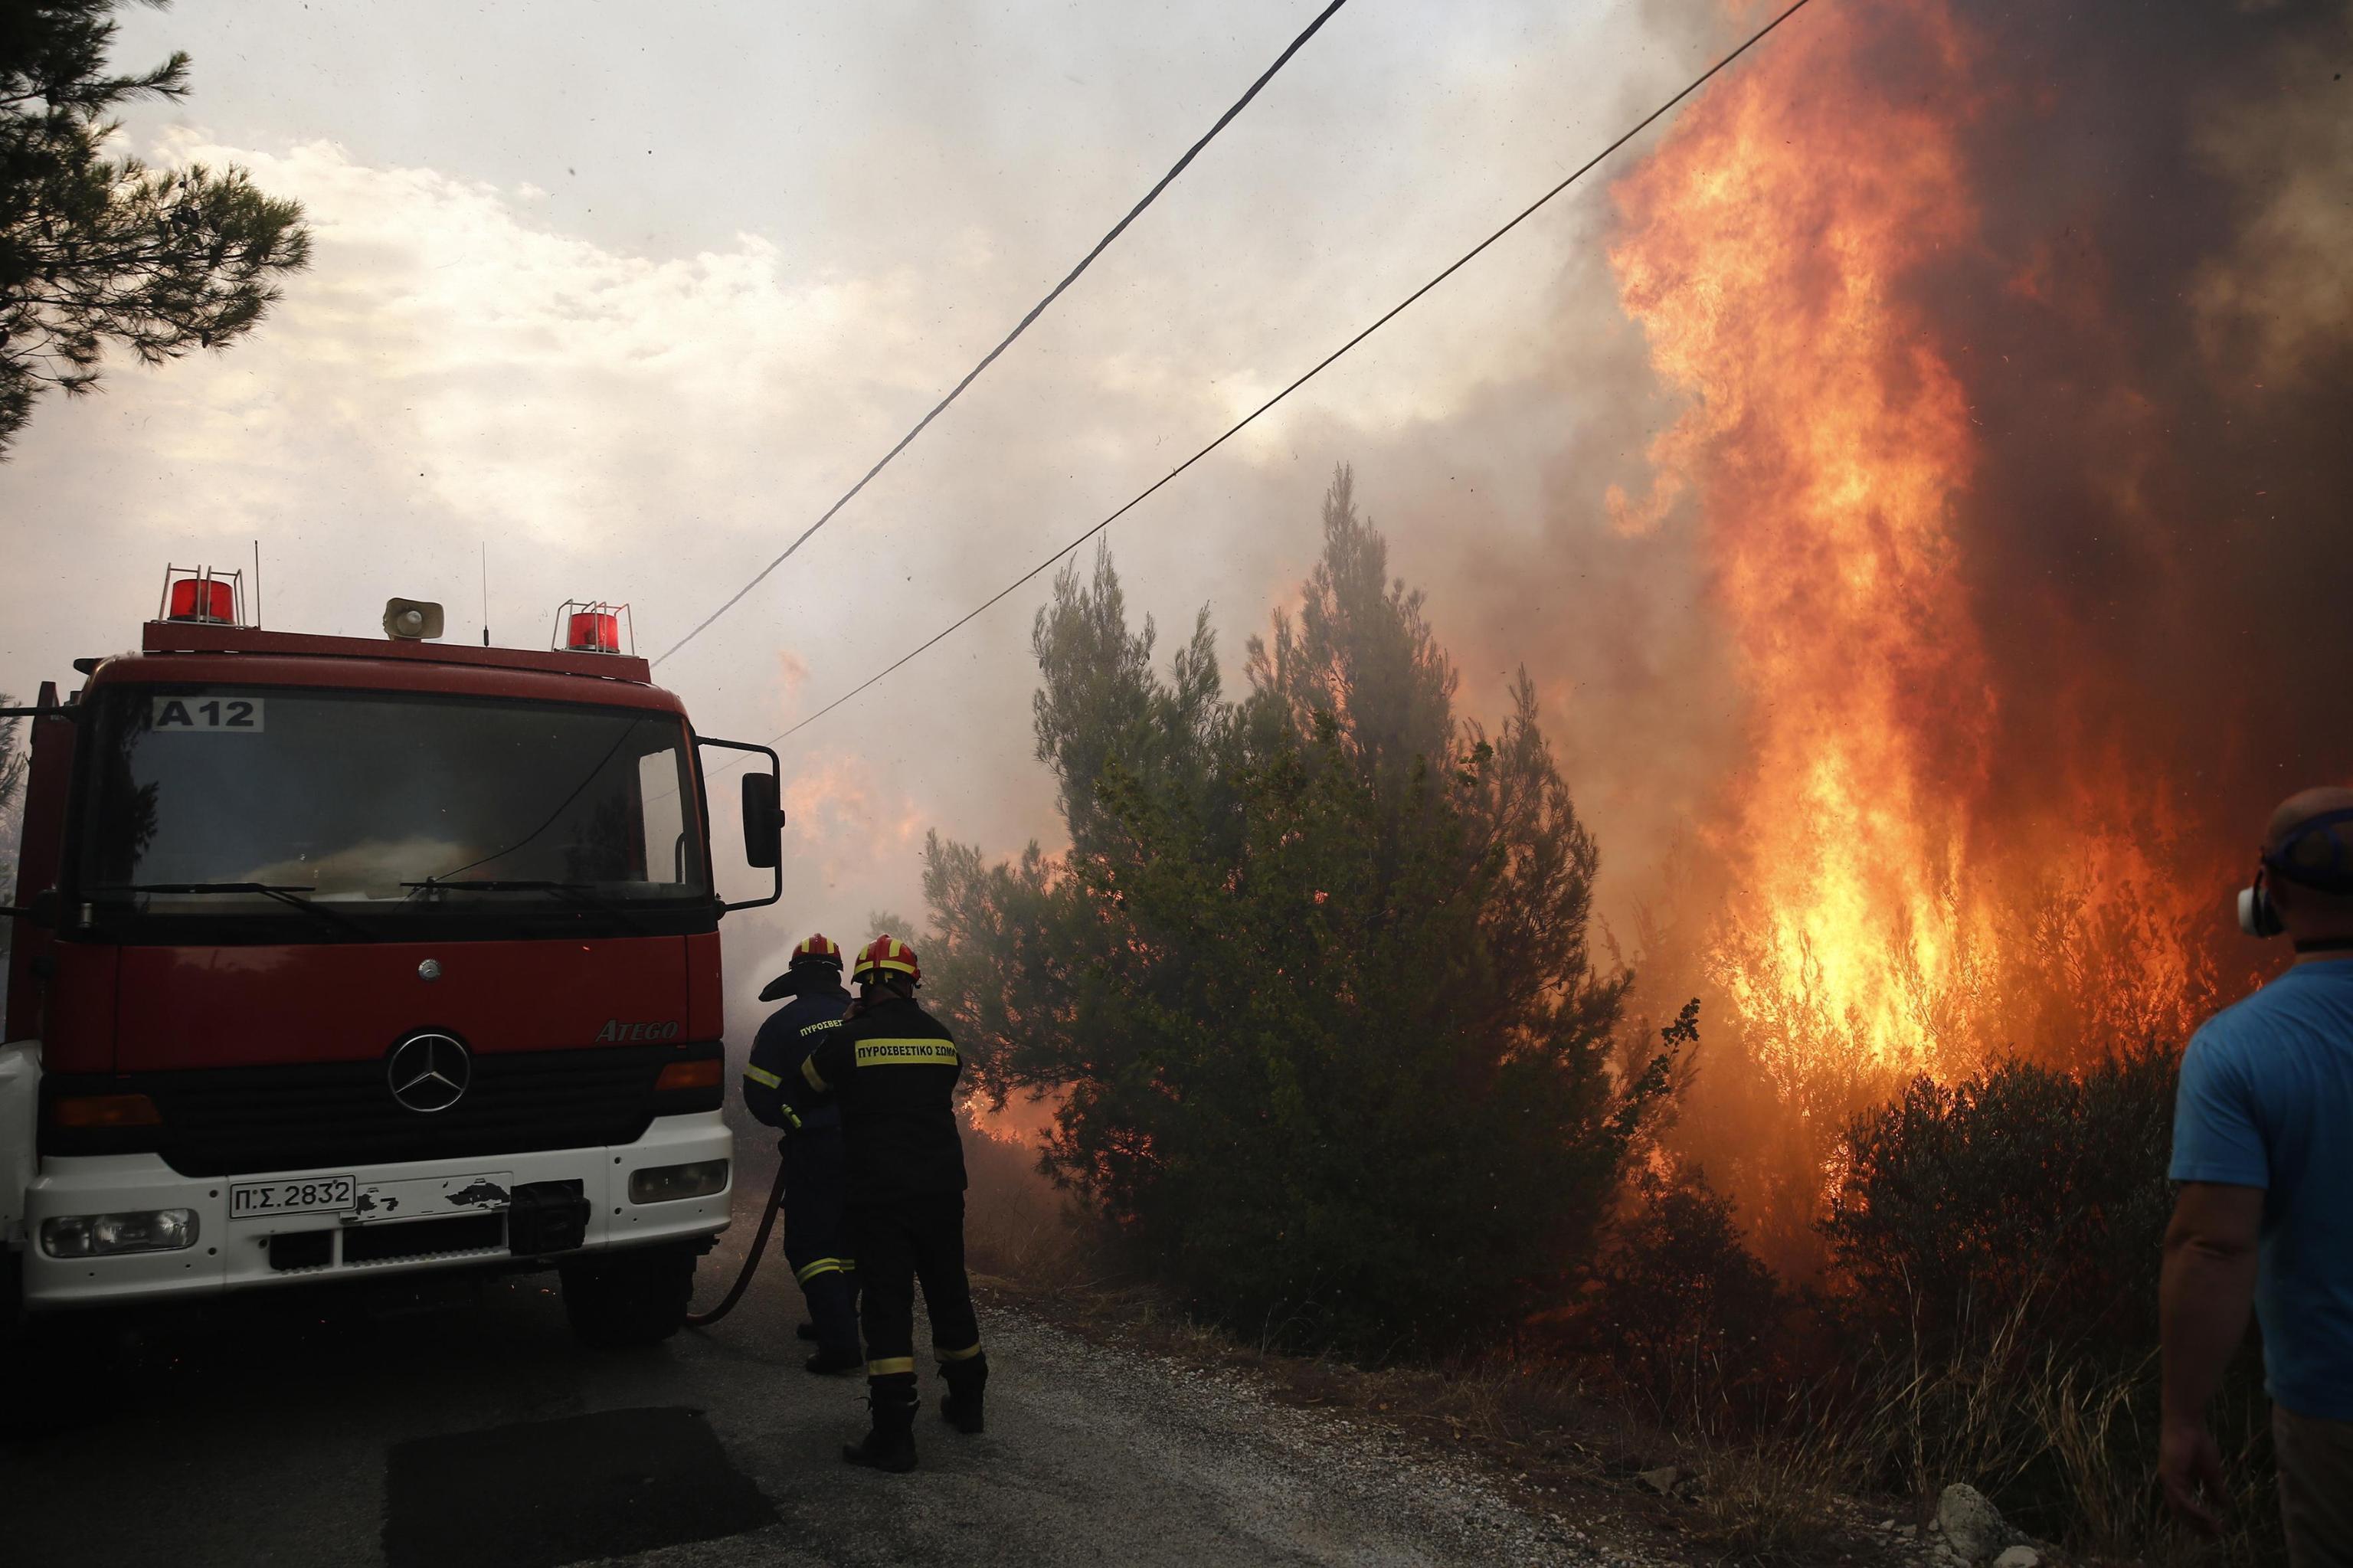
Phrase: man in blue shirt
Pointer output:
(2262, 1149)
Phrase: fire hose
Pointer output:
(751, 1258)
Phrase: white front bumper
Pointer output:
(234, 1254)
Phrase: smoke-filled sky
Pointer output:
(630, 293)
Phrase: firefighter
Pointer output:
(892, 1069)
(816, 1161)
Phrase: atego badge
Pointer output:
(617, 1030)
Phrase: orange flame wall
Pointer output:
(1936, 849)
(1827, 436)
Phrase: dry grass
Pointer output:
(2092, 1428)
(2070, 1430)
(1770, 1501)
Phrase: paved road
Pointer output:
(485, 1437)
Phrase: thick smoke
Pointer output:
(2162, 370)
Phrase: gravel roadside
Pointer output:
(1111, 1455)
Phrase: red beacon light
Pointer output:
(593, 626)
(203, 595)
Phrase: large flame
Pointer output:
(1877, 924)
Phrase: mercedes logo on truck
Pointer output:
(430, 1073)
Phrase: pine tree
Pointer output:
(1312, 980)
(98, 250)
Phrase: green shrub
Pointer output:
(1997, 1245)
(1962, 1205)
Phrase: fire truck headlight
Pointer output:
(664, 1183)
(105, 1235)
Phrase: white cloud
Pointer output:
(539, 382)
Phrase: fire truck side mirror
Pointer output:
(41, 911)
(764, 822)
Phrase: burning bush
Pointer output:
(1314, 974)
(1679, 1312)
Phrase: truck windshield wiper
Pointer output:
(503, 885)
(290, 896)
(579, 894)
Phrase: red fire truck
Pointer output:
(338, 958)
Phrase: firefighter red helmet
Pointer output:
(887, 954)
(818, 948)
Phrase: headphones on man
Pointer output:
(2312, 855)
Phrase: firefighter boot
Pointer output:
(960, 1406)
(891, 1444)
(831, 1305)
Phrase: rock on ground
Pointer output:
(1973, 1527)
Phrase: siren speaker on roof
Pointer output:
(411, 619)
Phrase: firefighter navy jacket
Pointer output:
(892, 1069)
(784, 1041)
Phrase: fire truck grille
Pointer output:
(230, 1121)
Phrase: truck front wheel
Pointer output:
(635, 1297)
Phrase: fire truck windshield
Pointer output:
(302, 814)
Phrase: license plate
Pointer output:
(295, 1195)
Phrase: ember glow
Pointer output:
(1886, 913)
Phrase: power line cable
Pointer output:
(1021, 326)
(1320, 365)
